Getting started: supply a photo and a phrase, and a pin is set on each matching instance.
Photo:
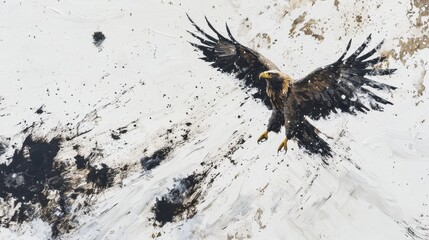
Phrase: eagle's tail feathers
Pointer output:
(308, 138)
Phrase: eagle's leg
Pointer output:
(263, 137)
(283, 146)
(275, 123)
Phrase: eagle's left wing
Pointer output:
(227, 55)
(342, 86)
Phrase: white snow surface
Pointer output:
(376, 186)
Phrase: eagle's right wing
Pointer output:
(227, 55)
(343, 86)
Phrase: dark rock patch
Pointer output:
(34, 184)
(81, 162)
(2, 148)
(180, 202)
(29, 178)
(98, 38)
(40, 110)
(185, 135)
(116, 134)
(173, 137)
(157, 157)
(32, 167)
(101, 177)
(233, 147)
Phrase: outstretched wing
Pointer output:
(227, 55)
(342, 86)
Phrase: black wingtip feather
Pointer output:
(359, 50)
(375, 97)
(220, 36)
(199, 46)
(370, 53)
(345, 52)
(229, 33)
(187, 15)
(379, 72)
(370, 63)
(375, 84)
(207, 51)
(349, 44)
(202, 40)
(200, 30)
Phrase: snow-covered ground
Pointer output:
(178, 138)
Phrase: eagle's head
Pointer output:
(276, 80)
(277, 87)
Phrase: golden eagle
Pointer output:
(340, 86)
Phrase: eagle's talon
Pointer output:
(263, 137)
(282, 146)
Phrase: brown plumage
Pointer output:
(342, 86)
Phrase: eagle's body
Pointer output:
(340, 86)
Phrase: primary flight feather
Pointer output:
(340, 86)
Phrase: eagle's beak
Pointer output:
(264, 75)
